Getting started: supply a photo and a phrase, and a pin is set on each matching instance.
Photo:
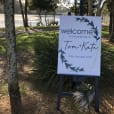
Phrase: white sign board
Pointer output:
(79, 51)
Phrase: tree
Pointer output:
(24, 12)
(75, 4)
(1, 6)
(90, 8)
(13, 85)
(112, 21)
(43, 5)
(100, 6)
(1, 1)
(76, 7)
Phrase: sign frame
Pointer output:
(79, 51)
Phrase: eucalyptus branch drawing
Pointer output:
(89, 23)
(67, 64)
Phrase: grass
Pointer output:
(105, 31)
(27, 42)
(3, 88)
(107, 66)
(2, 46)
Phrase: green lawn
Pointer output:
(41, 48)
(43, 43)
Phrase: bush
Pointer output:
(46, 60)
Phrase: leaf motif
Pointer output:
(81, 69)
(86, 20)
(89, 23)
(98, 38)
(73, 68)
(62, 58)
(65, 61)
(76, 69)
(67, 65)
(96, 32)
(92, 24)
(62, 52)
(95, 37)
(77, 19)
(70, 65)
(83, 19)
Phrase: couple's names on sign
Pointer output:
(79, 51)
(85, 46)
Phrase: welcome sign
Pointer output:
(79, 51)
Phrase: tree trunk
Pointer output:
(112, 19)
(26, 12)
(13, 86)
(90, 9)
(75, 5)
(110, 23)
(22, 12)
(54, 13)
(100, 7)
(46, 18)
(98, 13)
(39, 13)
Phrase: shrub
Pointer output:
(46, 60)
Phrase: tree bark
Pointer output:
(99, 7)
(22, 12)
(110, 23)
(112, 19)
(13, 85)
(75, 6)
(40, 17)
(90, 8)
(98, 13)
(26, 12)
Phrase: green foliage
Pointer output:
(25, 42)
(43, 5)
(105, 31)
(75, 9)
(3, 88)
(46, 60)
(2, 46)
(107, 64)
(86, 88)
(106, 8)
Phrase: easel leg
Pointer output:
(60, 92)
(97, 94)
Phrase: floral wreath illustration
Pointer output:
(91, 24)
(67, 64)
(62, 53)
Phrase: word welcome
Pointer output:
(77, 31)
